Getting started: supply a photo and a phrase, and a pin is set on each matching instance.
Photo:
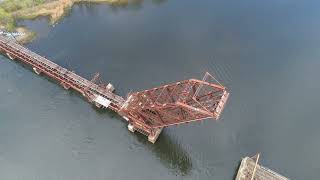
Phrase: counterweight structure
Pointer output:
(147, 111)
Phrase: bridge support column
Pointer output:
(36, 70)
(153, 136)
(10, 56)
(131, 128)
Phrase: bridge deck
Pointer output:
(62, 75)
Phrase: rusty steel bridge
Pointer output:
(148, 111)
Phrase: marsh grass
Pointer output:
(12, 10)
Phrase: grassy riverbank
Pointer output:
(13, 10)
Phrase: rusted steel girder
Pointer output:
(176, 103)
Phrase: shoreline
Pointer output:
(55, 10)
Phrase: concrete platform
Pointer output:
(249, 168)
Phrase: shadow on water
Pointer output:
(170, 154)
(236, 170)
(126, 3)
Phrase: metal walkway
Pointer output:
(66, 78)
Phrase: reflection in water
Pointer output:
(125, 4)
(158, 1)
(134, 4)
(169, 153)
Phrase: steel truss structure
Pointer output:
(147, 111)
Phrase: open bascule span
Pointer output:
(148, 111)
